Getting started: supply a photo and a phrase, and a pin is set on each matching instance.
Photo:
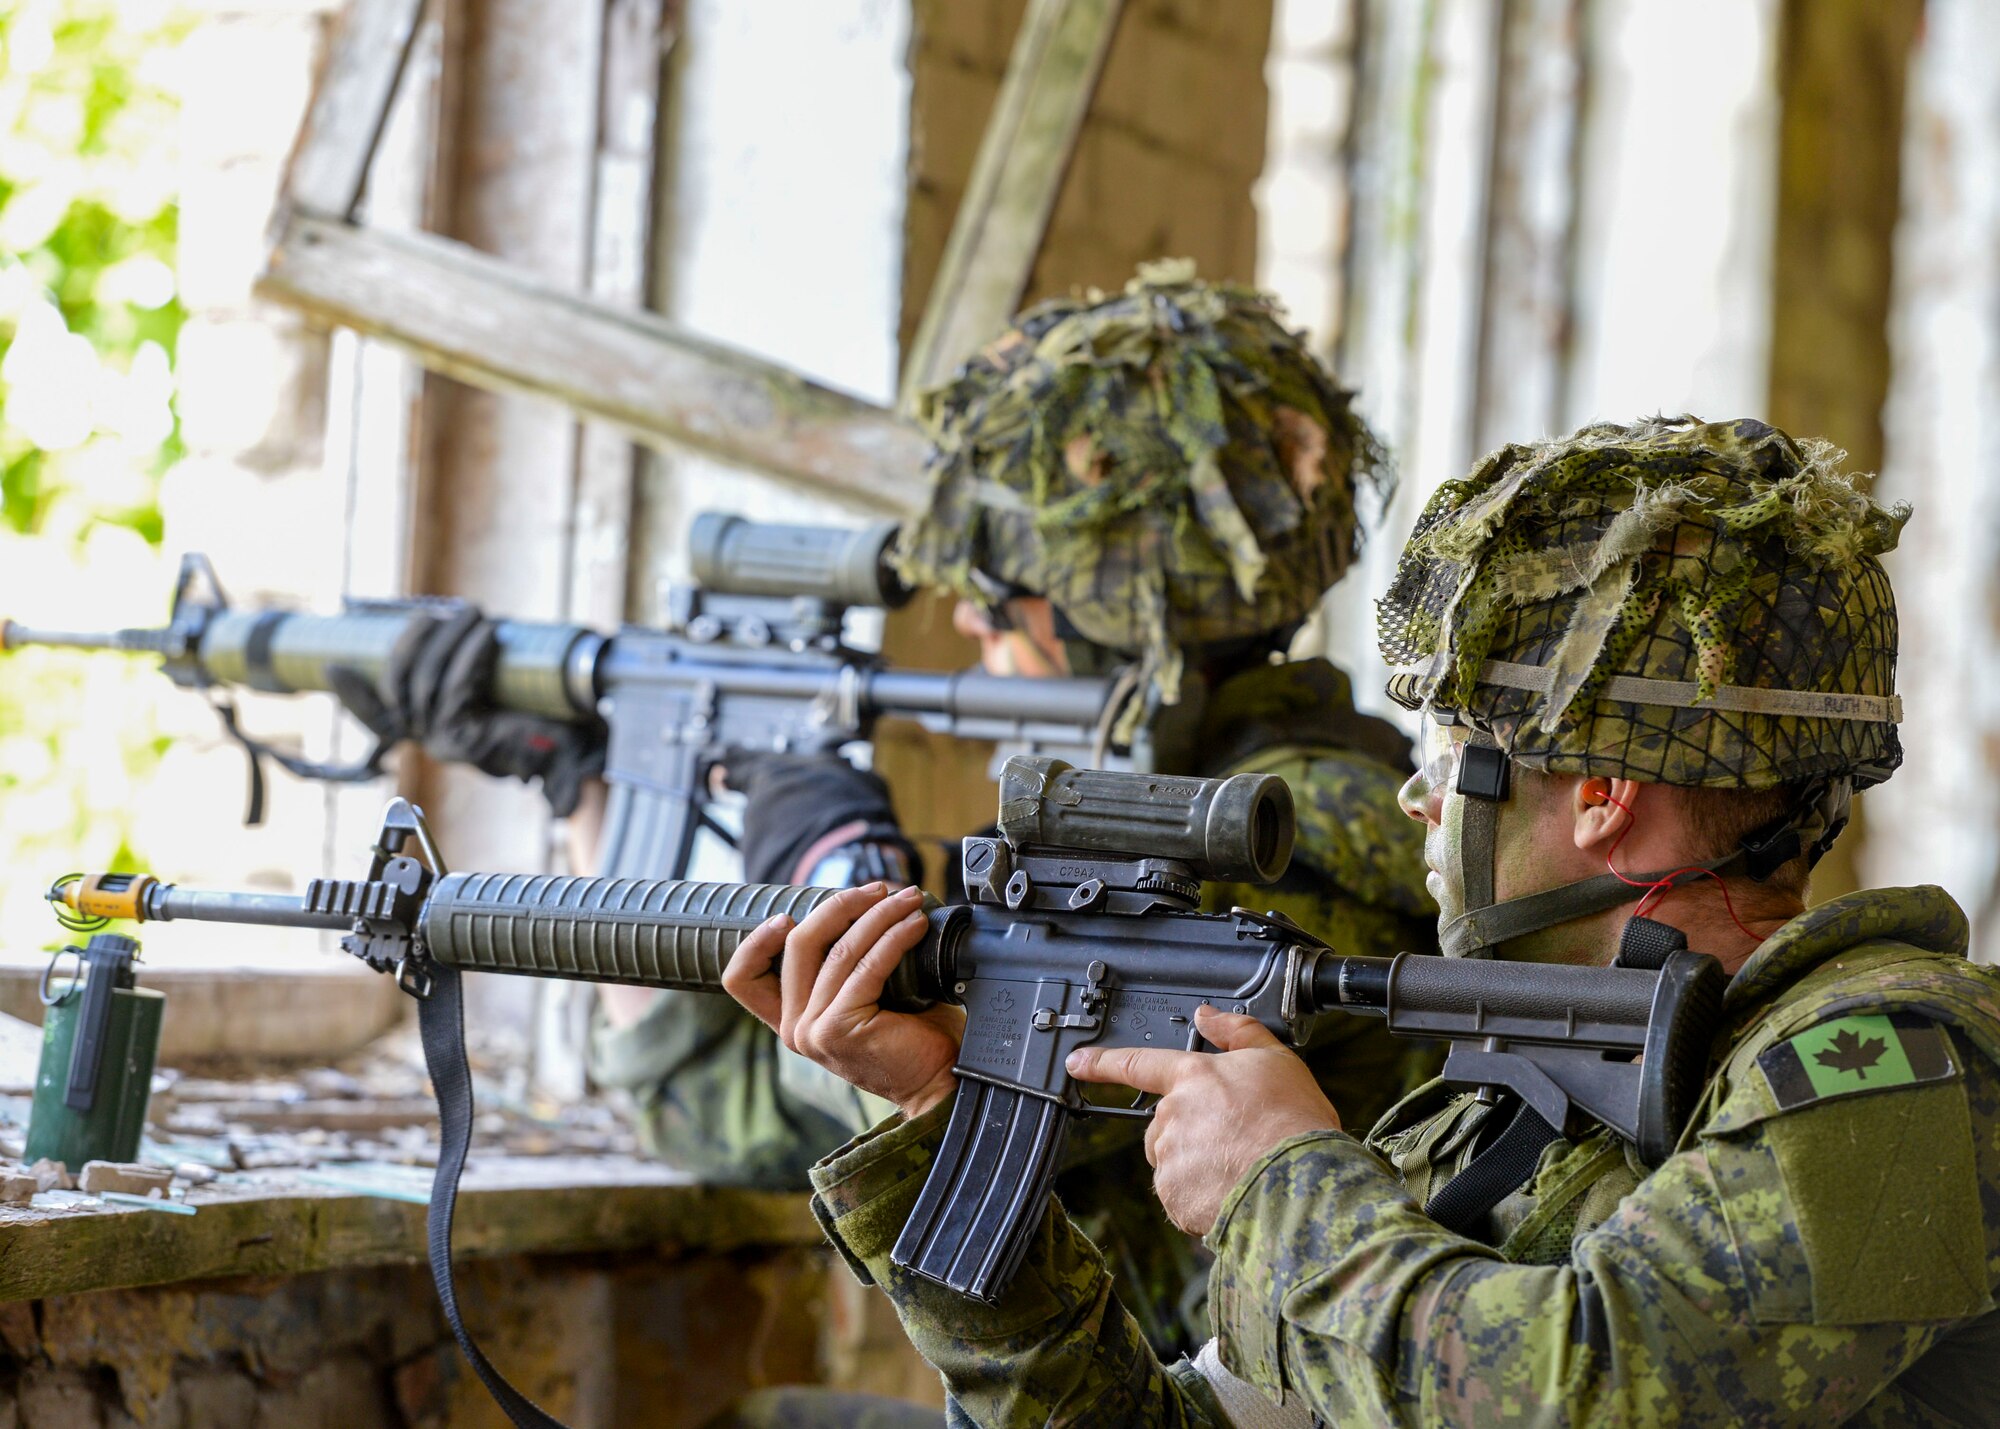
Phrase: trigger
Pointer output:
(1141, 1109)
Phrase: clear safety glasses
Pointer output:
(1440, 751)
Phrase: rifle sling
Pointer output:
(257, 751)
(441, 1019)
(1499, 1169)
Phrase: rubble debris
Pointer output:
(127, 1176)
(52, 1176)
(154, 1200)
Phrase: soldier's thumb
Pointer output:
(1233, 1031)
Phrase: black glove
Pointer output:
(795, 800)
(438, 689)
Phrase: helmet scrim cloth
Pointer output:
(1672, 601)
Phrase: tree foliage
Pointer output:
(90, 321)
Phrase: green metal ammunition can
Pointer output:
(100, 1039)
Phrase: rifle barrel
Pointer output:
(15, 636)
(144, 899)
(170, 902)
(975, 694)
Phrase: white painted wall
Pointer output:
(1669, 292)
(1673, 262)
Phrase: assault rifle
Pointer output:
(1083, 929)
(751, 657)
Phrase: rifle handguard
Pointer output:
(649, 933)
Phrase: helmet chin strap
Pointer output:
(1486, 923)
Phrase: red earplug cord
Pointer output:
(1657, 890)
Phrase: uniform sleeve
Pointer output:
(1058, 1348)
(1786, 1268)
(717, 1094)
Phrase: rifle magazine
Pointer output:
(987, 1189)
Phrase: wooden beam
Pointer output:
(350, 107)
(278, 1223)
(1842, 66)
(637, 34)
(1842, 71)
(1532, 187)
(1023, 159)
(482, 321)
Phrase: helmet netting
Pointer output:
(1170, 466)
(1723, 554)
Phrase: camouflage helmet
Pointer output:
(1677, 602)
(1171, 467)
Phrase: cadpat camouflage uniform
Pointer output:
(1831, 1261)
(1180, 477)
(1825, 1243)
(1170, 466)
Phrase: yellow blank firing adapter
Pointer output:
(98, 897)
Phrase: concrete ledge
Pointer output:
(276, 1223)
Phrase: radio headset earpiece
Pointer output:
(1596, 793)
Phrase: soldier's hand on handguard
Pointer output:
(1218, 1112)
(438, 689)
(817, 985)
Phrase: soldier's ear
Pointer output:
(1603, 812)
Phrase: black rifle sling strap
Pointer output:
(257, 751)
(1499, 1169)
(441, 1019)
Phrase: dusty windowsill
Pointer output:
(317, 1014)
